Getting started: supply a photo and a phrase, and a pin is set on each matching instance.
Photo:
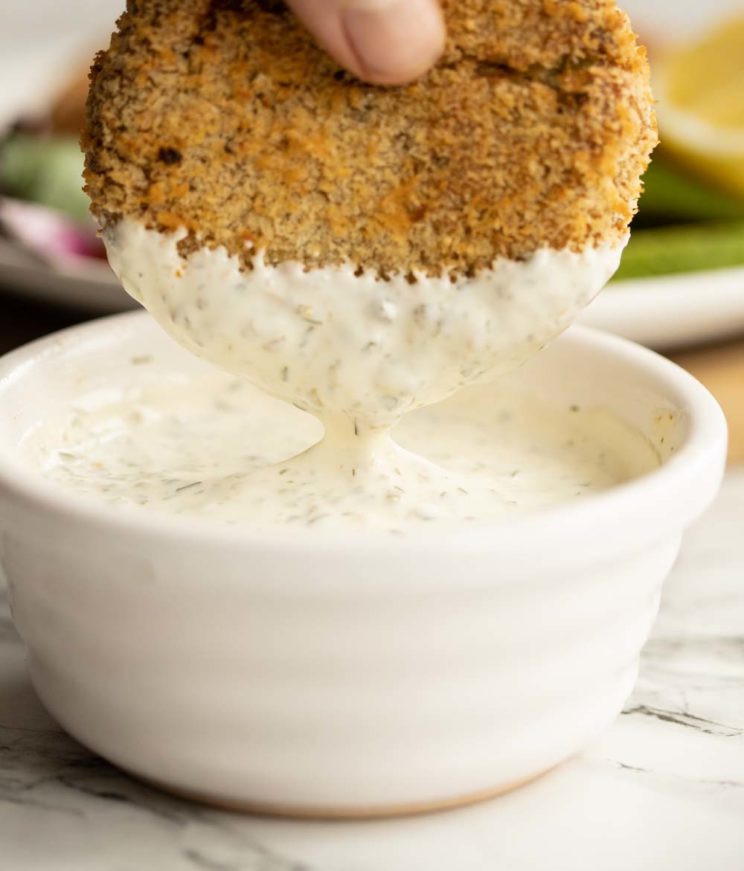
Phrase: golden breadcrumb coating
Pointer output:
(224, 118)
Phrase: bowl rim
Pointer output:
(688, 481)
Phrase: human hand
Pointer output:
(385, 42)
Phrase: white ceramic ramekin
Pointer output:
(353, 674)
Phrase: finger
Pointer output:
(385, 42)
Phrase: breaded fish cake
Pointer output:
(223, 119)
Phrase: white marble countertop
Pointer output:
(663, 789)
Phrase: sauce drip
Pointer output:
(361, 354)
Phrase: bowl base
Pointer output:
(341, 812)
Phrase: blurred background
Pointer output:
(681, 283)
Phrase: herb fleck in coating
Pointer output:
(223, 118)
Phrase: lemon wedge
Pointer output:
(700, 88)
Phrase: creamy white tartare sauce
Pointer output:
(359, 353)
(210, 445)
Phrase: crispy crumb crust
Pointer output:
(223, 117)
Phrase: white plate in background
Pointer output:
(85, 284)
(673, 311)
(43, 44)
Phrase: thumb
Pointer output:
(385, 42)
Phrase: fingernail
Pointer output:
(394, 41)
